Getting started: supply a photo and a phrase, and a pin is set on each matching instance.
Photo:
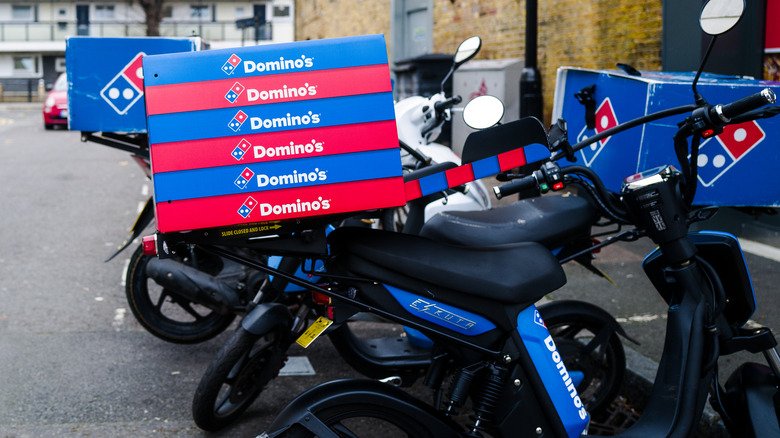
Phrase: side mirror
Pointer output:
(483, 112)
(719, 16)
(467, 50)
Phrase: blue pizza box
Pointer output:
(736, 168)
(105, 80)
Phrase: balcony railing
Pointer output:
(59, 30)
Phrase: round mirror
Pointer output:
(719, 16)
(467, 50)
(483, 112)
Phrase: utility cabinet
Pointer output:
(496, 77)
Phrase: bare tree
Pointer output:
(154, 12)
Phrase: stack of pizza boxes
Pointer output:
(273, 132)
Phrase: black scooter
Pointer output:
(505, 360)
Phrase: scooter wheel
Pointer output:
(166, 314)
(237, 376)
(590, 347)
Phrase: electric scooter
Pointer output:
(255, 352)
(504, 358)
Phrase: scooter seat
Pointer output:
(516, 273)
(549, 220)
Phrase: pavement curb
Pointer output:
(641, 372)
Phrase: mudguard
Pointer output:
(145, 217)
(265, 317)
(303, 409)
(554, 309)
(752, 401)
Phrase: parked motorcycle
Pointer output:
(478, 305)
(194, 296)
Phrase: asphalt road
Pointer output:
(74, 362)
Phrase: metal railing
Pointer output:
(59, 30)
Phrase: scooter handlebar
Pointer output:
(447, 103)
(516, 186)
(730, 110)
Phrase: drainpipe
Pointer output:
(530, 79)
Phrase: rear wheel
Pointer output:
(165, 313)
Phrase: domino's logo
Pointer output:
(538, 319)
(243, 180)
(237, 120)
(719, 154)
(234, 92)
(127, 87)
(246, 208)
(241, 149)
(605, 119)
(230, 65)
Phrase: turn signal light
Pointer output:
(149, 245)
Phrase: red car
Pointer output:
(55, 107)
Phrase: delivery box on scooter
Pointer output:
(272, 132)
(105, 80)
(736, 168)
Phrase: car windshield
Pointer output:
(62, 83)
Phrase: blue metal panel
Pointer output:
(734, 168)
(451, 317)
(560, 385)
(94, 64)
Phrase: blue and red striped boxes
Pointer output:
(272, 132)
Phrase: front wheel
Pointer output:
(237, 376)
(591, 350)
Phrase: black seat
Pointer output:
(549, 220)
(517, 273)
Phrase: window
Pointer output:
(200, 12)
(59, 65)
(104, 12)
(22, 13)
(281, 11)
(62, 12)
(26, 65)
(167, 12)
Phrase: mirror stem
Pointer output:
(698, 98)
(449, 73)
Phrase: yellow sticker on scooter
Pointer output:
(314, 331)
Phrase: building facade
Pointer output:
(591, 34)
(33, 33)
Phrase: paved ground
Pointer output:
(73, 362)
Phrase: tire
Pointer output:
(365, 420)
(237, 376)
(603, 368)
(164, 313)
(48, 127)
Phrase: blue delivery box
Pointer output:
(106, 83)
(736, 168)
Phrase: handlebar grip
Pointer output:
(444, 104)
(516, 186)
(749, 103)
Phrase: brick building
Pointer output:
(593, 34)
